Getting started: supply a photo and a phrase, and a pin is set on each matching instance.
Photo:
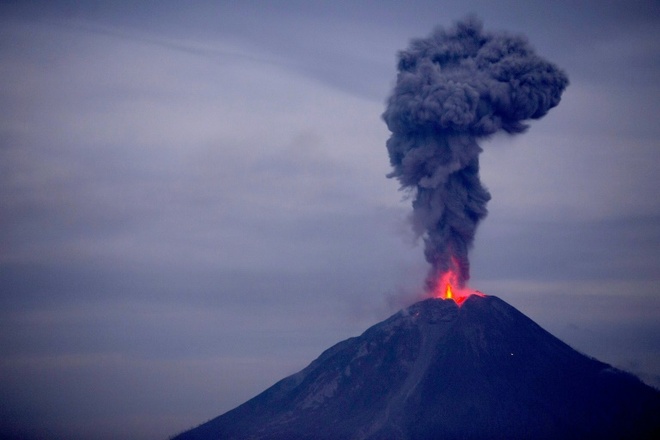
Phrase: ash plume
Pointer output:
(454, 88)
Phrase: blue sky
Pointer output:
(194, 205)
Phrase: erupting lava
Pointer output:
(447, 288)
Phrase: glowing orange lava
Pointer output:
(448, 292)
(447, 289)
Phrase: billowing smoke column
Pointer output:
(454, 88)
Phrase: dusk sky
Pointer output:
(194, 202)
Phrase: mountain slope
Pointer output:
(436, 370)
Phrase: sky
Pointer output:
(194, 202)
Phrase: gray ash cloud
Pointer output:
(454, 88)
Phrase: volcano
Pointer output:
(437, 370)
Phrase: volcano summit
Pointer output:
(481, 370)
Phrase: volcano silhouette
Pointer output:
(439, 371)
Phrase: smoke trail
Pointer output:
(453, 88)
